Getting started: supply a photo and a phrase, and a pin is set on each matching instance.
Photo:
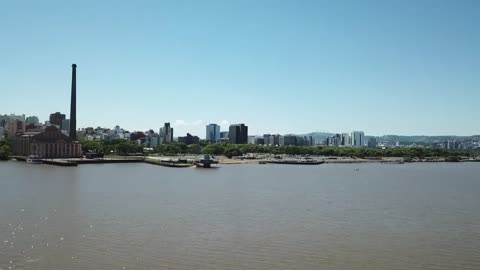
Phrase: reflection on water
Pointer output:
(138, 216)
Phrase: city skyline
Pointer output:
(182, 128)
(282, 68)
(58, 126)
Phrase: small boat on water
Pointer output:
(34, 159)
(205, 162)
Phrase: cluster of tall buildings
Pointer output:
(12, 124)
(450, 145)
(154, 139)
(281, 140)
(103, 134)
(353, 139)
(18, 125)
(237, 134)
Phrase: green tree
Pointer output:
(183, 148)
(169, 149)
(194, 149)
(92, 146)
(214, 149)
(232, 151)
(4, 152)
(125, 148)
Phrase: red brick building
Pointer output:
(51, 143)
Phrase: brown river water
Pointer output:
(332, 216)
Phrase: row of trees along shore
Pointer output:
(123, 147)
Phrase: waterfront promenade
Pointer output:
(189, 160)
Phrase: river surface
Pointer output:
(140, 216)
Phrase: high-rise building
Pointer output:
(57, 118)
(224, 136)
(4, 118)
(213, 133)
(289, 140)
(252, 139)
(452, 145)
(65, 125)
(270, 139)
(153, 140)
(32, 120)
(238, 134)
(259, 140)
(332, 141)
(372, 142)
(14, 127)
(309, 140)
(276, 139)
(12, 124)
(346, 139)
(300, 141)
(338, 139)
(267, 139)
(189, 139)
(358, 139)
(117, 130)
(335, 140)
(166, 134)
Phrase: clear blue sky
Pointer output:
(384, 67)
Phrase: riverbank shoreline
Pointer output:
(169, 161)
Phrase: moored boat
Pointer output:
(34, 159)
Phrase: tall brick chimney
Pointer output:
(73, 105)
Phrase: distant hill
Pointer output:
(318, 136)
(420, 139)
(424, 139)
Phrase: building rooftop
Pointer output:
(51, 135)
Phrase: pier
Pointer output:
(174, 164)
(60, 162)
(76, 161)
